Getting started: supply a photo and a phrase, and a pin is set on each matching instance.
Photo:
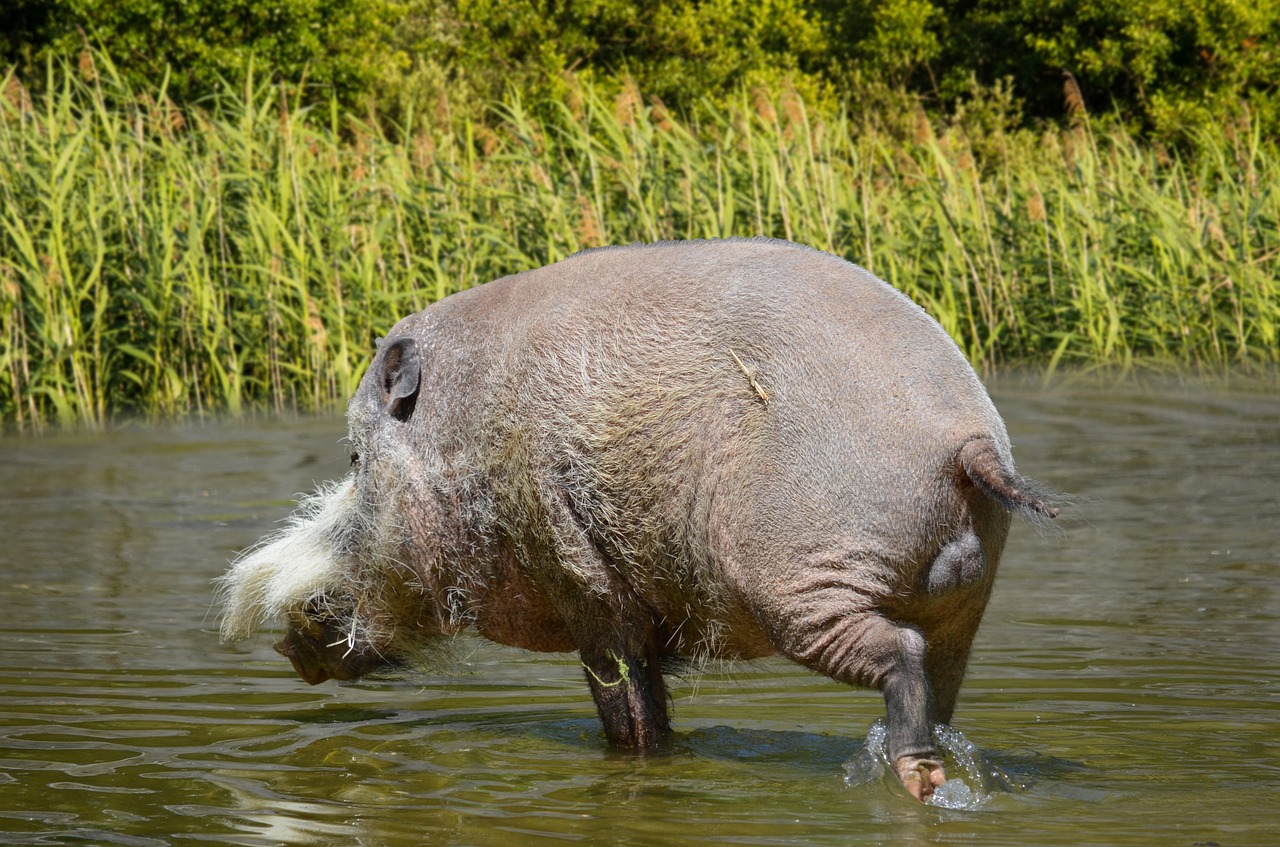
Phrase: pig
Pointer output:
(721, 449)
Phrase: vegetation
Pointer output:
(1166, 67)
(328, 45)
(245, 253)
(227, 215)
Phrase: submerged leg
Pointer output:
(630, 694)
(907, 702)
(828, 625)
(613, 630)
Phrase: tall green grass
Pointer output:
(242, 254)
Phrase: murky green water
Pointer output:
(1125, 688)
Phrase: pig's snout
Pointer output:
(301, 651)
(319, 652)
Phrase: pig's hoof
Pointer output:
(920, 776)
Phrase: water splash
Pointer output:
(972, 779)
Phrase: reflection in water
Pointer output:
(1122, 689)
(272, 818)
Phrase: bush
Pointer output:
(1164, 66)
(334, 46)
(680, 51)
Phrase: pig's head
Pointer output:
(346, 574)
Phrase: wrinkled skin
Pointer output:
(711, 449)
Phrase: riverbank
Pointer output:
(244, 255)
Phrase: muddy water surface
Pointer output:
(1125, 687)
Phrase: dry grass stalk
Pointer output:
(751, 378)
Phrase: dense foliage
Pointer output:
(335, 45)
(1164, 65)
(1167, 64)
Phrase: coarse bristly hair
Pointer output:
(338, 560)
(299, 565)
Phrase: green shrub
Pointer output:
(1164, 66)
(680, 51)
(1167, 65)
(335, 46)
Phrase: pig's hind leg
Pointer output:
(825, 621)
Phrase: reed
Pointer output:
(243, 254)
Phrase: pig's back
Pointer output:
(807, 363)
(807, 334)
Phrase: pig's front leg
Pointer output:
(613, 630)
(629, 692)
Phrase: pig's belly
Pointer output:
(519, 613)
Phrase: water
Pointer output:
(1125, 687)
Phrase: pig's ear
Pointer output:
(400, 375)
